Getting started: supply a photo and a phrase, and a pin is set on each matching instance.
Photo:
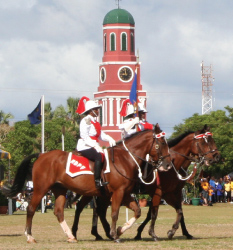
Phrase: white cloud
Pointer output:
(55, 47)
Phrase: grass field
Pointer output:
(212, 228)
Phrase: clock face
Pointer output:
(125, 74)
(102, 74)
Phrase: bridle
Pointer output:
(158, 148)
(204, 136)
(201, 155)
(147, 160)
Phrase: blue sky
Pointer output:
(53, 48)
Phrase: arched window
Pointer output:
(112, 41)
(123, 41)
(105, 43)
(132, 42)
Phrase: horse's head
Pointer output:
(159, 150)
(206, 148)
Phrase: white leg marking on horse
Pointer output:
(66, 230)
(128, 224)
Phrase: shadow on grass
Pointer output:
(10, 235)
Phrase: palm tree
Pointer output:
(72, 104)
(4, 117)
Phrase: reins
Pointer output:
(201, 156)
(151, 162)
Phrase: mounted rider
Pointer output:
(128, 126)
(90, 134)
(143, 124)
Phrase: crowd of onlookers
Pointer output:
(216, 190)
(212, 190)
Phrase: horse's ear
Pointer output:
(157, 128)
(206, 128)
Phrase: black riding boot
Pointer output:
(97, 172)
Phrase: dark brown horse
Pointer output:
(48, 173)
(200, 145)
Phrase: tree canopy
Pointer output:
(221, 124)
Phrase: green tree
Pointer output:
(4, 117)
(221, 123)
(72, 104)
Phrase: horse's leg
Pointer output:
(141, 227)
(154, 212)
(132, 204)
(174, 199)
(35, 201)
(60, 196)
(79, 208)
(101, 210)
(117, 198)
(184, 229)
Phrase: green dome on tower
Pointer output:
(118, 16)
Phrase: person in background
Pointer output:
(213, 188)
(90, 134)
(205, 189)
(227, 188)
(220, 191)
(143, 124)
(128, 127)
(231, 190)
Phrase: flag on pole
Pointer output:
(35, 116)
(133, 91)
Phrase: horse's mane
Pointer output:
(134, 135)
(176, 140)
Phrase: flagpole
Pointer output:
(42, 124)
(137, 83)
(42, 147)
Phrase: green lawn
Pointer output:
(212, 228)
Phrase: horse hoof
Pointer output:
(72, 240)
(189, 237)
(119, 231)
(31, 240)
(155, 238)
(117, 240)
(98, 238)
(170, 234)
(137, 237)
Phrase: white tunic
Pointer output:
(122, 127)
(87, 130)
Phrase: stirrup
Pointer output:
(99, 184)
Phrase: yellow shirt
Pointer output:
(231, 185)
(205, 185)
(227, 186)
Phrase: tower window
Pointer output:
(112, 41)
(132, 42)
(123, 41)
(105, 43)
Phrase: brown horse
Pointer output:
(199, 144)
(49, 173)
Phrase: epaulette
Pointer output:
(88, 120)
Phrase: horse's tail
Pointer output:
(20, 178)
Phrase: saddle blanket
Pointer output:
(79, 165)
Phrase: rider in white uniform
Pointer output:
(90, 134)
(128, 126)
(143, 124)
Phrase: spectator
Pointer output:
(220, 191)
(205, 189)
(211, 194)
(231, 191)
(227, 188)
(213, 188)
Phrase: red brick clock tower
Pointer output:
(117, 70)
